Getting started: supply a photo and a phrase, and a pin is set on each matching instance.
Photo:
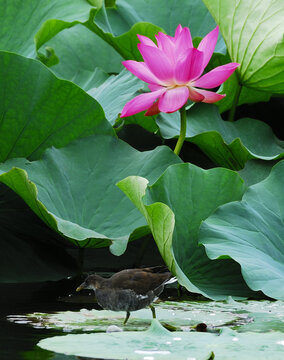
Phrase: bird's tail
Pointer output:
(171, 280)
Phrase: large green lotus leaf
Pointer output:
(256, 171)
(176, 204)
(231, 86)
(79, 50)
(125, 44)
(30, 251)
(119, 25)
(19, 23)
(86, 79)
(193, 14)
(158, 343)
(73, 189)
(247, 95)
(154, 343)
(115, 92)
(147, 122)
(253, 32)
(251, 232)
(227, 144)
(80, 53)
(39, 110)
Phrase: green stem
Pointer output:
(182, 130)
(235, 103)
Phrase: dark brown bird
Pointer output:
(129, 290)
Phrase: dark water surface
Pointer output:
(18, 341)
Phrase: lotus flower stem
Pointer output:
(235, 103)
(182, 131)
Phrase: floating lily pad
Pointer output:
(183, 316)
(250, 315)
(154, 343)
(158, 343)
(242, 316)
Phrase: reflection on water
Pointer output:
(18, 340)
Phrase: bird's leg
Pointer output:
(153, 311)
(126, 318)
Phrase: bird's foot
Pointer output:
(153, 311)
(126, 318)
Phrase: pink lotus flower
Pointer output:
(173, 70)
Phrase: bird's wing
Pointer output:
(139, 281)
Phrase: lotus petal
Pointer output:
(209, 96)
(167, 45)
(158, 63)
(216, 77)
(194, 95)
(146, 41)
(207, 45)
(189, 67)
(140, 103)
(173, 99)
(141, 70)
(184, 40)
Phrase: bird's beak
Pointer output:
(81, 287)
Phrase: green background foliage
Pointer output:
(74, 176)
(62, 89)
